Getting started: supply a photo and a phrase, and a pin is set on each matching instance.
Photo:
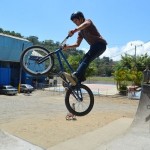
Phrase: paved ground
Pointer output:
(135, 137)
(97, 89)
(40, 117)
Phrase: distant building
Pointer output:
(10, 50)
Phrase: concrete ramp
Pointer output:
(9, 142)
(122, 134)
(138, 135)
(141, 123)
(93, 139)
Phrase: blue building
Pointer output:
(10, 50)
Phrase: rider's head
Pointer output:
(77, 15)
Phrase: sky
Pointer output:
(125, 24)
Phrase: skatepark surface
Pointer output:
(122, 133)
(10, 142)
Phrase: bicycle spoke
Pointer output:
(80, 105)
(81, 98)
(31, 57)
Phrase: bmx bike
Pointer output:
(38, 61)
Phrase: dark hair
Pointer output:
(77, 15)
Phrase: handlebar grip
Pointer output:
(67, 37)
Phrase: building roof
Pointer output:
(1, 34)
(11, 47)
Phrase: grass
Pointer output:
(107, 80)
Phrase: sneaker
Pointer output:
(74, 76)
(70, 78)
(82, 79)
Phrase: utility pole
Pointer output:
(135, 56)
(135, 47)
(20, 75)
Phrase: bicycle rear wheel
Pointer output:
(79, 100)
(30, 60)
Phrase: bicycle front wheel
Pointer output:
(30, 60)
(79, 100)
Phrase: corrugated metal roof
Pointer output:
(11, 47)
(1, 34)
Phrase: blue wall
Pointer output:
(11, 47)
(10, 50)
(5, 76)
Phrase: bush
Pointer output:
(123, 89)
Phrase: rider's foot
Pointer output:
(82, 79)
(70, 78)
(74, 76)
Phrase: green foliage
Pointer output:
(130, 70)
(13, 33)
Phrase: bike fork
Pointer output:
(77, 94)
(75, 91)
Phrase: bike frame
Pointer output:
(59, 55)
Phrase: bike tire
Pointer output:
(70, 100)
(29, 63)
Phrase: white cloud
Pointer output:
(116, 52)
(139, 46)
(113, 53)
(147, 47)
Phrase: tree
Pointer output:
(104, 66)
(1, 30)
(129, 70)
(34, 40)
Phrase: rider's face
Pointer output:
(77, 21)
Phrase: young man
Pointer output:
(86, 30)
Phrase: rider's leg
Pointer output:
(95, 51)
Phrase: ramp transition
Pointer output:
(137, 136)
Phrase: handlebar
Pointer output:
(64, 41)
(46, 57)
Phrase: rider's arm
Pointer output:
(85, 24)
(82, 26)
(77, 44)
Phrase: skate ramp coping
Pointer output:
(10, 142)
